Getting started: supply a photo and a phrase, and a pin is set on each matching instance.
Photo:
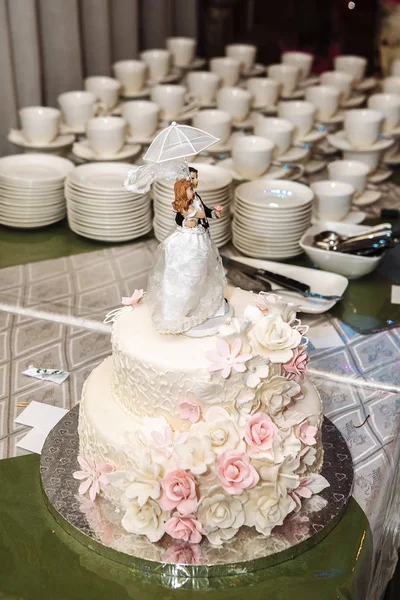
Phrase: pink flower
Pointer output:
(134, 299)
(187, 528)
(179, 491)
(296, 367)
(260, 432)
(306, 433)
(235, 472)
(182, 553)
(92, 475)
(228, 357)
(190, 410)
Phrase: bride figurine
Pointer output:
(187, 284)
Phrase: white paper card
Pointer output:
(43, 416)
(395, 294)
(324, 336)
(33, 440)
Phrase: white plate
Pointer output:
(354, 217)
(353, 101)
(338, 140)
(17, 137)
(367, 197)
(380, 176)
(34, 168)
(108, 237)
(83, 150)
(211, 178)
(101, 176)
(266, 254)
(320, 282)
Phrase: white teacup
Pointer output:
(244, 53)
(302, 60)
(278, 131)
(40, 124)
(287, 75)
(132, 75)
(142, 117)
(391, 85)
(173, 100)
(342, 81)
(362, 126)
(77, 108)
(106, 90)
(106, 135)
(235, 101)
(158, 62)
(300, 113)
(214, 121)
(182, 49)
(353, 172)
(353, 65)
(265, 91)
(227, 68)
(204, 85)
(252, 155)
(332, 199)
(371, 158)
(389, 106)
(325, 98)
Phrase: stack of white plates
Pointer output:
(100, 208)
(32, 189)
(270, 217)
(215, 187)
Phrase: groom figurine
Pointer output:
(209, 213)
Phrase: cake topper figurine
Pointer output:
(186, 288)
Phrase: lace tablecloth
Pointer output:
(52, 315)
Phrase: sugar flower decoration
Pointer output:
(296, 367)
(313, 484)
(134, 299)
(307, 433)
(179, 492)
(188, 529)
(92, 476)
(190, 410)
(228, 358)
(235, 472)
(260, 434)
(273, 304)
(257, 369)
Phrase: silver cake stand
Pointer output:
(97, 525)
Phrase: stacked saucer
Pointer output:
(215, 187)
(32, 189)
(270, 217)
(100, 208)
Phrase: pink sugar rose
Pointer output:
(188, 529)
(235, 472)
(296, 367)
(179, 491)
(306, 433)
(190, 410)
(260, 432)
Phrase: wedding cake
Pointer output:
(197, 437)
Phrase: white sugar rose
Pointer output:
(220, 515)
(265, 510)
(283, 475)
(141, 482)
(236, 328)
(271, 337)
(277, 393)
(195, 455)
(147, 519)
(273, 304)
(219, 426)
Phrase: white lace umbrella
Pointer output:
(178, 141)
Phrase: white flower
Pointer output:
(147, 519)
(195, 455)
(257, 369)
(236, 328)
(275, 305)
(208, 392)
(270, 336)
(308, 457)
(141, 482)
(221, 515)
(219, 426)
(286, 445)
(277, 393)
(157, 434)
(265, 510)
(283, 475)
(246, 403)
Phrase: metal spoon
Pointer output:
(329, 240)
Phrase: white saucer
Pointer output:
(17, 137)
(326, 148)
(394, 133)
(294, 154)
(144, 141)
(353, 101)
(380, 176)
(293, 96)
(198, 63)
(66, 129)
(266, 110)
(334, 120)
(314, 80)
(174, 75)
(354, 217)
(83, 150)
(256, 69)
(272, 173)
(339, 140)
(314, 166)
(367, 197)
(140, 94)
(247, 123)
(367, 84)
(313, 136)
(208, 104)
(393, 160)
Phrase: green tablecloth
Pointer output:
(40, 561)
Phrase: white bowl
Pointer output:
(277, 194)
(351, 266)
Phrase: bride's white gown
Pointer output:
(187, 284)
